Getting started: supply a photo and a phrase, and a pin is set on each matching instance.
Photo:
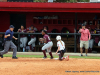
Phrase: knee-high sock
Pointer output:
(62, 54)
(44, 53)
(50, 53)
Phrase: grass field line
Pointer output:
(40, 55)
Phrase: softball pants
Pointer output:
(48, 46)
(91, 43)
(32, 41)
(23, 41)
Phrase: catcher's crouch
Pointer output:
(47, 44)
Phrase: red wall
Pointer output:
(80, 16)
(5, 20)
(29, 20)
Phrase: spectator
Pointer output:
(91, 40)
(31, 43)
(34, 28)
(97, 31)
(46, 28)
(23, 37)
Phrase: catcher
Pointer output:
(47, 44)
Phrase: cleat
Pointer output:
(81, 55)
(44, 57)
(51, 57)
(14, 57)
(67, 58)
(1, 56)
(63, 57)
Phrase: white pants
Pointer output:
(32, 41)
(91, 43)
(23, 41)
(48, 46)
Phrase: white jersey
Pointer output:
(62, 46)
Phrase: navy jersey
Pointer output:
(11, 34)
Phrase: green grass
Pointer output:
(84, 57)
(40, 56)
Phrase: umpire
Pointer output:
(8, 42)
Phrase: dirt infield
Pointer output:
(39, 66)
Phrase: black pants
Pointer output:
(61, 54)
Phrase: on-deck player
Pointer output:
(47, 44)
(8, 43)
(23, 37)
(61, 48)
(31, 43)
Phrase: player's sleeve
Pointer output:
(44, 37)
(6, 33)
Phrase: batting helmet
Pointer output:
(58, 37)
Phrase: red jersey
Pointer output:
(32, 36)
(23, 31)
(47, 38)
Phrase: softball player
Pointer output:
(91, 41)
(33, 38)
(61, 48)
(23, 37)
(47, 44)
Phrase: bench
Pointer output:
(69, 43)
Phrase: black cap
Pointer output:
(11, 26)
(83, 24)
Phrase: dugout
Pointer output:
(69, 15)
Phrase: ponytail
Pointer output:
(61, 42)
